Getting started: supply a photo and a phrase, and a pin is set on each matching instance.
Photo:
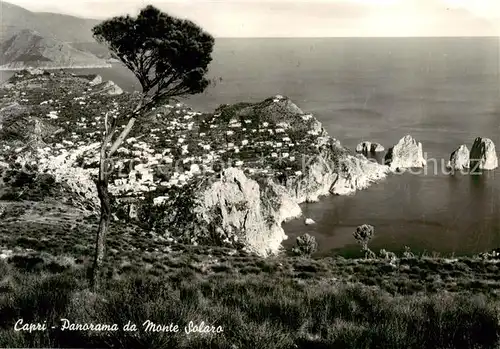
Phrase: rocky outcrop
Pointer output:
(247, 211)
(309, 221)
(65, 169)
(22, 129)
(483, 155)
(334, 171)
(108, 87)
(96, 80)
(229, 209)
(459, 159)
(407, 153)
(369, 148)
(240, 209)
(357, 173)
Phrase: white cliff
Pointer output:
(96, 80)
(358, 174)
(247, 212)
(335, 171)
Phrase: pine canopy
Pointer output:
(169, 56)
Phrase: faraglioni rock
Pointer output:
(459, 159)
(369, 148)
(483, 155)
(407, 153)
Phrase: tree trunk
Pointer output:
(102, 191)
(100, 248)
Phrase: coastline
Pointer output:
(59, 68)
(284, 132)
(289, 159)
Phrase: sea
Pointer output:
(442, 91)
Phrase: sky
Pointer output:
(305, 18)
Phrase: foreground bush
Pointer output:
(254, 312)
(363, 234)
(306, 245)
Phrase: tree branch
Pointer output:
(103, 157)
(129, 126)
(122, 135)
(106, 125)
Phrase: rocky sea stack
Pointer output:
(228, 178)
(369, 148)
(483, 155)
(459, 159)
(407, 153)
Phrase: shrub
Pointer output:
(3, 210)
(363, 234)
(407, 253)
(27, 184)
(151, 216)
(306, 245)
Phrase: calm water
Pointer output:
(442, 91)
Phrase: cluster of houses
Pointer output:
(174, 145)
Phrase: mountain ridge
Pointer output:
(65, 28)
(28, 48)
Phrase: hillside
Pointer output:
(50, 25)
(29, 48)
(226, 178)
(95, 48)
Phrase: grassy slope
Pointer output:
(280, 302)
(134, 251)
(255, 303)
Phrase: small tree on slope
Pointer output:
(170, 58)
(363, 234)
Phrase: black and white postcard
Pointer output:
(250, 174)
